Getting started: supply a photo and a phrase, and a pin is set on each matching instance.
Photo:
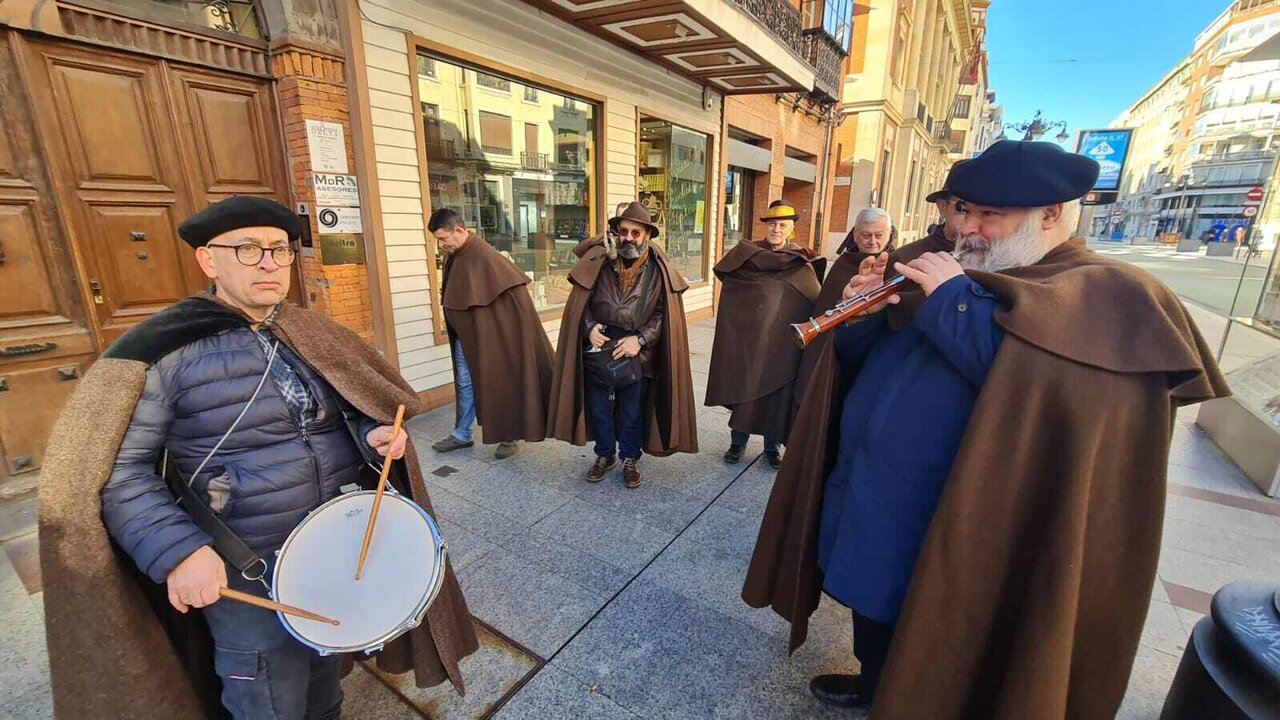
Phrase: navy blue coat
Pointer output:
(900, 428)
(277, 471)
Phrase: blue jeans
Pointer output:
(737, 438)
(267, 674)
(629, 402)
(466, 395)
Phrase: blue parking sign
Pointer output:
(1109, 148)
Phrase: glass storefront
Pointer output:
(517, 161)
(673, 185)
(738, 192)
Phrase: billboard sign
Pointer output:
(1110, 148)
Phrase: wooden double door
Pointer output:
(103, 154)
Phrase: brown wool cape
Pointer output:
(116, 647)
(488, 310)
(842, 271)
(671, 421)
(1031, 588)
(754, 356)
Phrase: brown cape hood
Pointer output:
(671, 420)
(754, 356)
(109, 653)
(488, 310)
(1030, 591)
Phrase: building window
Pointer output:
(493, 82)
(495, 132)
(899, 55)
(739, 192)
(426, 67)
(673, 185)
(833, 16)
(530, 94)
(962, 107)
(520, 173)
(880, 200)
(911, 192)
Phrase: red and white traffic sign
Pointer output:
(1250, 211)
(1254, 195)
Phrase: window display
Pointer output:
(673, 185)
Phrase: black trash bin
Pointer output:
(1231, 667)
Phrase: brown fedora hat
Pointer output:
(636, 212)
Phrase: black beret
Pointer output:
(1013, 173)
(945, 190)
(237, 212)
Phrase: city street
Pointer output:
(601, 602)
(1210, 282)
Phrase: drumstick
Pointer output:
(266, 604)
(377, 498)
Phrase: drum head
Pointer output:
(317, 565)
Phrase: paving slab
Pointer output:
(555, 695)
(608, 536)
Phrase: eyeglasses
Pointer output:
(251, 254)
(632, 233)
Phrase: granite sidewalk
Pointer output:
(599, 602)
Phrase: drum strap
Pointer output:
(227, 543)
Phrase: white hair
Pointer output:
(871, 215)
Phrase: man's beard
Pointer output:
(629, 250)
(1025, 246)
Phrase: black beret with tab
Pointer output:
(237, 212)
(1014, 173)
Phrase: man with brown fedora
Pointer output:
(622, 371)
(766, 286)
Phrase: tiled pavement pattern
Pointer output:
(627, 602)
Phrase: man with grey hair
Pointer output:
(978, 467)
(872, 232)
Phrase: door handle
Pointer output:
(95, 287)
(16, 350)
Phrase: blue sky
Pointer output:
(1083, 61)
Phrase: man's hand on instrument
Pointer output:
(196, 580)
(597, 337)
(628, 346)
(870, 276)
(379, 439)
(931, 270)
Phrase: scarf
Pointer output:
(627, 276)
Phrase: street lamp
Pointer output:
(1038, 126)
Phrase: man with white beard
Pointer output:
(978, 466)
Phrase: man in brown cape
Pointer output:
(501, 354)
(124, 564)
(998, 548)
(766, 286)
(625, 301)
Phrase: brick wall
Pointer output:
(311, 86)
(783, 126)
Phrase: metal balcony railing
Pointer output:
(778, 17)
(533, 161)
(826, 56)
(1241, 155)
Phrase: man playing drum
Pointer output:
(266, 411)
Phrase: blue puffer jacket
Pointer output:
(277, 471)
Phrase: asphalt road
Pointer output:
(1208, 282)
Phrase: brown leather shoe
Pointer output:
(630, 473)
(601, 466)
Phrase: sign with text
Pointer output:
(1109, 148)
(327, 145)
(334, 189)
(339, 220)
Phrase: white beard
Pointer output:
(1026, 246)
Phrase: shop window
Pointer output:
(519, 170)
(673, 185)
(739, 191)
